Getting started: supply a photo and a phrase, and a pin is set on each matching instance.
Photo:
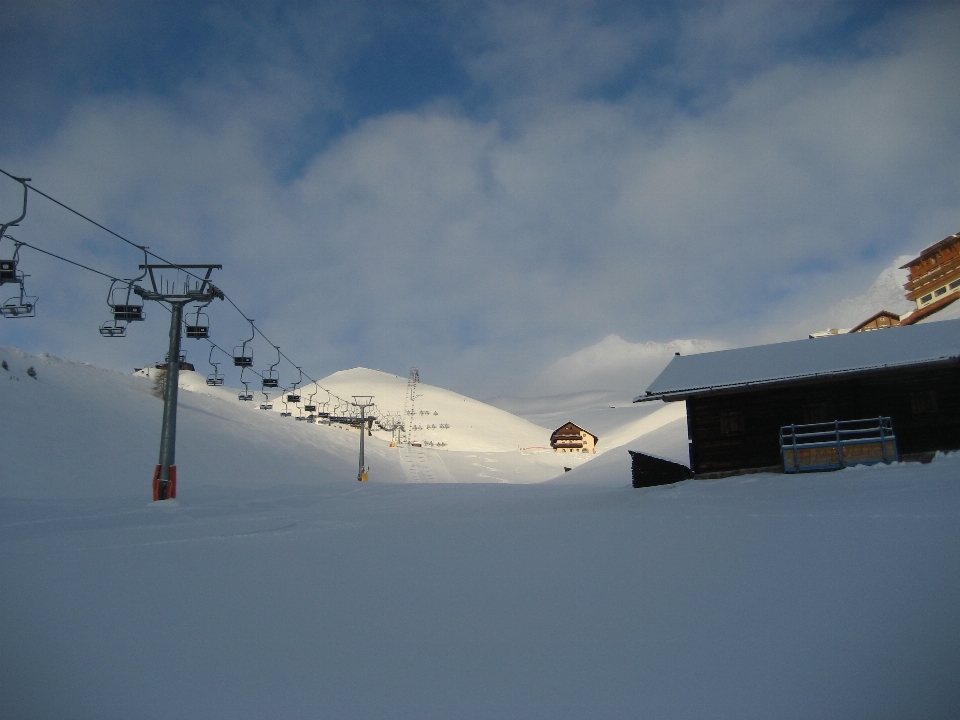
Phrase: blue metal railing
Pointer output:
(838, 444)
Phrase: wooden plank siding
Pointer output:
(740, 429)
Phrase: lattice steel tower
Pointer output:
(409, 405)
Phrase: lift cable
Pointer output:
(143, 248)
(59, 257)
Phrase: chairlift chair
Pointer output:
(294, 396)
(8, 267)
(113, 328)
(242, 355)
(122, 302)
(214, 378)
(266, 404)
(19, 306)
(198, 326)
(310, 406)
(245, 394)
(124, 307)
(271, 378)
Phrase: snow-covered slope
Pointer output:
(80, 431)
(276, 586)
(612, 416)
(221, 438)
(886, 293)
(474, 426)
(468, 425)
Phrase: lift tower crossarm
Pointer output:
(205, 290)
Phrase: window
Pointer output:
(940, 291)
(926, 299)
(955, 284)
(731, 423)
(924, 403)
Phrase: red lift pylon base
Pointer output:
(171, 487)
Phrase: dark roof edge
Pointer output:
(684, 393)
(949, 240)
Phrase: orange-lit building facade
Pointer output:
(933, 279)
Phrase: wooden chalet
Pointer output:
(933, 279)
(738, 400)
(573, 438)
(883, 319)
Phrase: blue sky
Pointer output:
(480, 188)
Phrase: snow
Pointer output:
(277, 586)
(611, 416)
(807, 358)
(886, 293)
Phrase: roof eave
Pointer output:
(686, 393)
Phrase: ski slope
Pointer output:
(276, 586)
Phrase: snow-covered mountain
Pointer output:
(886, 293)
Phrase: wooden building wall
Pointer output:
(739, 430)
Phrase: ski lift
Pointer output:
(323, 412)
(8, 267)
(214, 378)
(124, 306)
(242, 355)
(266, 404)
(112, 328)
(271, 378)
(286, 411)
(245, 394)
(294, 396)
(19, 306)
(198, 324)
(311, 406)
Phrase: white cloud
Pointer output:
(615, 364)
(480, 247)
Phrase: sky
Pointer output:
(478, 189)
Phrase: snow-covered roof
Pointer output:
(799, 359)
